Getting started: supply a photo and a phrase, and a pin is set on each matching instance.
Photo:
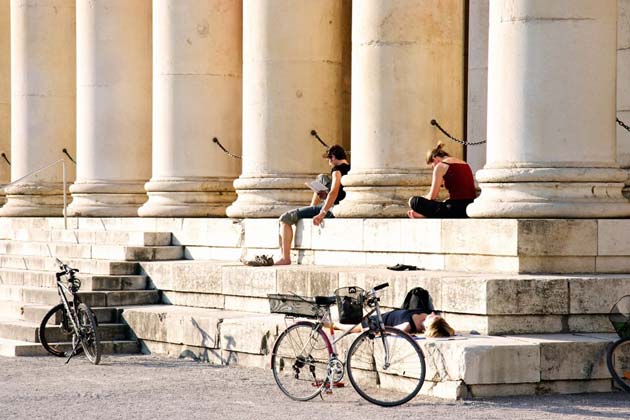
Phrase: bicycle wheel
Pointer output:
(618, 361)
(299, 361)
(386, 378)
(55, 331)
(89, 333)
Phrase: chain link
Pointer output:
(624, 125)
(465, 143)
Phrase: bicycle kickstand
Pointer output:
(73, 351)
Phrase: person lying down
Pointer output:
(412, 322)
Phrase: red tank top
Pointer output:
(459, 182)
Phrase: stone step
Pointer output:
(33, 278)
(93, 251)
(28, 331)
(486, 303)
(75, 236)
(461, 366)
(35, 313)
(49, 296)
(85, 265)
(16, 348)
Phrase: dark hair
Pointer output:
(438, 151)
(336, 151)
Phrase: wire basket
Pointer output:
(293, 305)
(350, 304)
(619, 316)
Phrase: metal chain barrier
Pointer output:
(464, 142)
(226, 151)
(624, 125)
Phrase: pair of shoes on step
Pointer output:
(259, 261)
(404, 267)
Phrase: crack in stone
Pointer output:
(543, 19)
(379, 43)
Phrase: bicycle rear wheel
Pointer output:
(299, 360)
(56, 332)
(386, 378)
(89, 334)
(618, 361)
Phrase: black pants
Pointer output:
(449, 209)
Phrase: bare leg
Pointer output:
(286, 237)
(414, 215)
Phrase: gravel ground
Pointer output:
(151, 387)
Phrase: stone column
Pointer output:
(197, 96)
(42, 103)
(551, 112)
(407, 69)
(623, 88)
(5, 93)
(114, 107)
(292, 83)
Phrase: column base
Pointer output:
(106, 198)
(198, 197)
(376, 194)
(550, 193)
(42, 199)
(269, 195)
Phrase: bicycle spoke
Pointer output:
(618, 360)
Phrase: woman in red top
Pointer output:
(457, 178)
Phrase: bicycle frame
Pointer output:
(62, 289)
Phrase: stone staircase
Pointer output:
(110, 281)
(517, 333)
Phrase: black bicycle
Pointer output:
(70, 321)
(385, 365)
(618, 352)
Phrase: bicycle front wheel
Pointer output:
(618, 361)
(386, 368)
(89, 334)
(299, 360)
(55, 331)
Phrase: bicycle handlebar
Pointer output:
(381, 286)
(65, 269)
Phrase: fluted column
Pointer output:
(407, 68)
(5, 93)
(292, 83)
(623, 88)
(113, 107)
(551, 112)
(42, 103)
(197, 96)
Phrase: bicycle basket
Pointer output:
(293, 305)
(619, 317)
(350, 304)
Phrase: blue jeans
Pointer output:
(291, 217)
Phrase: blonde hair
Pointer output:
(437, 151)
(439, 328)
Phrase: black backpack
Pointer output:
(418, 299)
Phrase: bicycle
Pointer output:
(385, 365)
(71, 320)
(618, 352)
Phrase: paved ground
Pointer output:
(149, 387)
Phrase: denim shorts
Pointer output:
(292, 216)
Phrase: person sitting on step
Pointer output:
(338, 161)
(457, 177)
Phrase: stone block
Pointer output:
(382, 235)
(339, 235)
(200, 354)
(129, 297)
(551, 264)
(184, 276)
(480, 236)
(200, 300)
(339, 258)
(569, 356)
(527, 295)
(464, 295)
(251, 334)
(596, 295)
(481, 263)
(590, 323)
(613, 238)
(541, 388)
(212, 253)
(247, 304)
(230, 357)
(249, 281)
(307, 282)
(304, 234)
(421, 236)
(260, 233)
(612, 264)
(557, 237)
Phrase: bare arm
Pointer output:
(330, 199)
(438, 178)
